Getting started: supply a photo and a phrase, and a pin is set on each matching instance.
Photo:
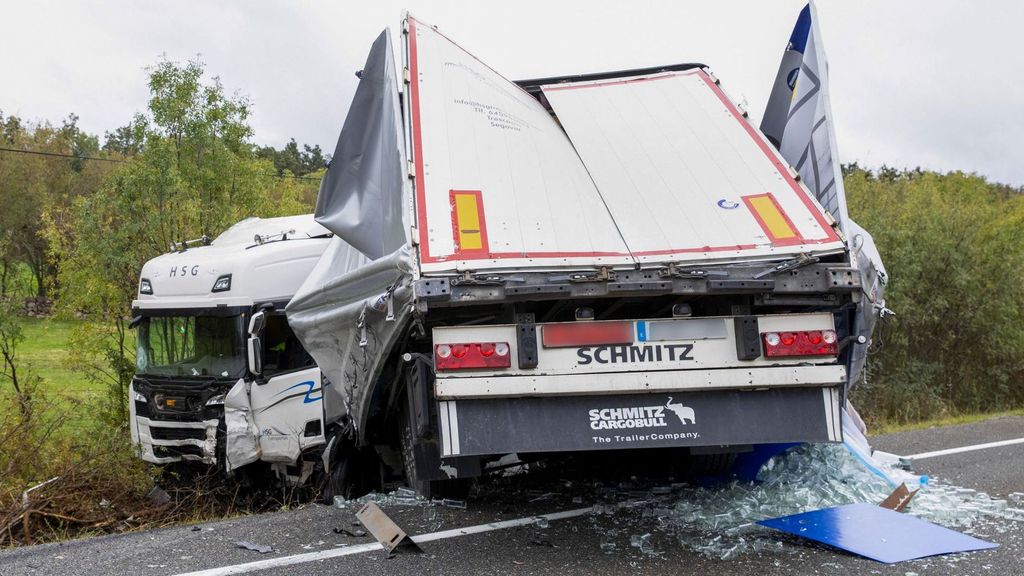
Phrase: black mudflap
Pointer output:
(575, 423)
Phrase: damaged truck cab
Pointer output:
(221, 378)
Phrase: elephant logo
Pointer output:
(684, 413)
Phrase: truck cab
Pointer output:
(214, 345)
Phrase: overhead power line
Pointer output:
(58, 155)
(73, 156)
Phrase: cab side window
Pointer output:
(282, 351)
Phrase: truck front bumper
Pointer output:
(486, 426)
(163, 442)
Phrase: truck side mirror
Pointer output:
(256, 323)
(255, 353)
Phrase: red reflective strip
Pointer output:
(586, 334)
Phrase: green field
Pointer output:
(45, 354)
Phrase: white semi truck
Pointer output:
(210, 328)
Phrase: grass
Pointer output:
(946, 421)
(45, 351)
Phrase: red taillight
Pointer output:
(471, 355)
(586, 334)
(800, 343)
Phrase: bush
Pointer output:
(953, 247)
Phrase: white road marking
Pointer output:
(375, 546)
(948, 451)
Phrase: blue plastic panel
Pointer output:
(876, 533)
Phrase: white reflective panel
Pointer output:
(476, 132)
(685, 176)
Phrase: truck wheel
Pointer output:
(429, 489)
(353, 474)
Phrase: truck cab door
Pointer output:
(287, 400)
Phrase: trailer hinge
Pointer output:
(604, 274)
(411, 170)
(469, 279)
(798, 262)
(406, 76)
(674, 271)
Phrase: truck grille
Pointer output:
(177, 433)
(177, 451)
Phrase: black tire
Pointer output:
(353, 473)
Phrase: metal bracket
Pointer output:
(384, 529)
(604, 274)
(526, 340)
(674, 271)
(792, 264)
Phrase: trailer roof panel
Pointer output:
(684, 174)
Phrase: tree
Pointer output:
(193, 173)
(290, 160)
(954, 248)
(35, 187)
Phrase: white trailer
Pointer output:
(213, 339)
(584, 263)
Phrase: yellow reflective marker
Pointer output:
(468, 220)
(773, 220)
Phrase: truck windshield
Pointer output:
(193, 346)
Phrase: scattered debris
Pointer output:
(877, 533)
(158, 496)
(384, 529)
(452, 503)
(899, 498)
(350, 533)
(541, 522)
(541, 541)
(197, 529)
(254, 547)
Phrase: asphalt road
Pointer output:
(570, 546)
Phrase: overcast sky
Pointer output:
(932, 84)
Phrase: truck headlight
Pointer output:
(138, 397)
(145, 286)
(217, 400)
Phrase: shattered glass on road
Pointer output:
(720, 521)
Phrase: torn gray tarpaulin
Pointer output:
(254, 547)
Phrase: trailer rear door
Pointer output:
(498, 184)
(655, 169)
(684, 174)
